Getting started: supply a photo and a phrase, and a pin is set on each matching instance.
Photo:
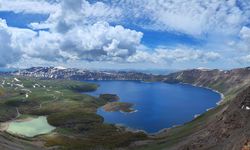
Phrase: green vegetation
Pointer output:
(79, 121)
(2, 92)
(6, 113)
(71, 112)
(109, 97)
(118, 106)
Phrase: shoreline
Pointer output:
(222, 97)
(5, 125)
(163, 130)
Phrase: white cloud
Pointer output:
(8, 53)
(243, 43)
(101, 42)
(28, 6)
(192, 17)
(174, 56)
(80, 30)
(97, 42)
(244, 59)
(77, 13)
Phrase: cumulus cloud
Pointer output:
(77, 13)
(8, 53)
(101, 41)
(97, 42)
(75, 31)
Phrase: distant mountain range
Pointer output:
(80, 74)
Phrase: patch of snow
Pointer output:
(203, 69)
(17, 80)
(197, 115)
(108, 73)
(60, 68)
(37, 85)
(209, 109)
(26, 90)
(245, 107)
(20, 85)
(26, 95)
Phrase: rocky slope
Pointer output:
(229, 82)
(228, 131)
(8, 142)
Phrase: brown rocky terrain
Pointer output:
(228, 82)
(228, 131)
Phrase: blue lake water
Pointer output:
(159, 105)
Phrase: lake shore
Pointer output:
(5, 125)
(221, 97)
(164, 130)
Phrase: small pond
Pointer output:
(31, 127)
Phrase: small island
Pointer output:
(113, 104)
(119, 106)
(109, 97)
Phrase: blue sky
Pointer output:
(136, 34)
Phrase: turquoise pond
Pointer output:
(30, 128)
(158, 105)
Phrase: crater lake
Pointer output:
(158, 105)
